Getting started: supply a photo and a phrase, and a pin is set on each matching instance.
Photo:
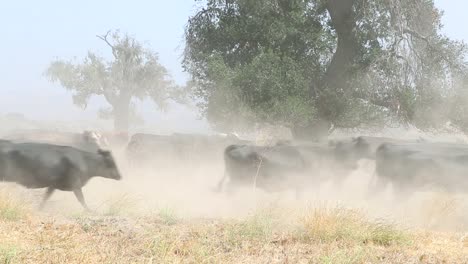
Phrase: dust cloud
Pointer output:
(185, 189)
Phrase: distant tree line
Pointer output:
(309, 65)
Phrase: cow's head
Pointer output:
(344, 152)
(108, 166)
(362, 148)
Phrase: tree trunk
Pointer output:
(331, 92)
(122, 115)
(344, 22)
(333, 88)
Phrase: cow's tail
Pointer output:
(377, 183)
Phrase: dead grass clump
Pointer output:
(120, 205)
(11, 208)
(339, 224)
(188, 244)
(7, 253)
(257, 228)
(215, 242)
(106, 241)
(168, 216)
(350, 256)
(444, 212)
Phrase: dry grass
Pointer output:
(351, 226)
(168, 215)
(120, 205)
(11, 207)
(7, 254)
(320, 235)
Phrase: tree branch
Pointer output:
(417, 35)
(104, 38)
(428, 42)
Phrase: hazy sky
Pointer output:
(35, 32)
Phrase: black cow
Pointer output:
(37, 165)
(412, 166)
(87, 140)
(322, 162)
(158, 150)
(349, 151)
(145, 148)
(199, 148)
(3, 144)
(271, 168)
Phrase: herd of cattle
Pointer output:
(66, 161)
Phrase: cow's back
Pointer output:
(86, 141)
(440, 165)
(36, 165)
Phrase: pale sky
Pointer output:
(35, 32)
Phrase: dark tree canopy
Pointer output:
(342, 62)
(253, 60)
(133, 73)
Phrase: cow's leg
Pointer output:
(377, 185)
(219, 187)
(79, 195)
(46, 197)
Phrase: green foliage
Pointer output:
(251, 60)
(277, 61)
(270, 88)
(458, 107)
(134, 72)
(414, 75)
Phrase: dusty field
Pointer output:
(267, 235)
(171, 215)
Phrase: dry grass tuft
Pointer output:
(339, 224)
(350, 256)
(168, 216)
(258, 227)
(120, 205)
(444, 211)
(7, 253)
(11, 207)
